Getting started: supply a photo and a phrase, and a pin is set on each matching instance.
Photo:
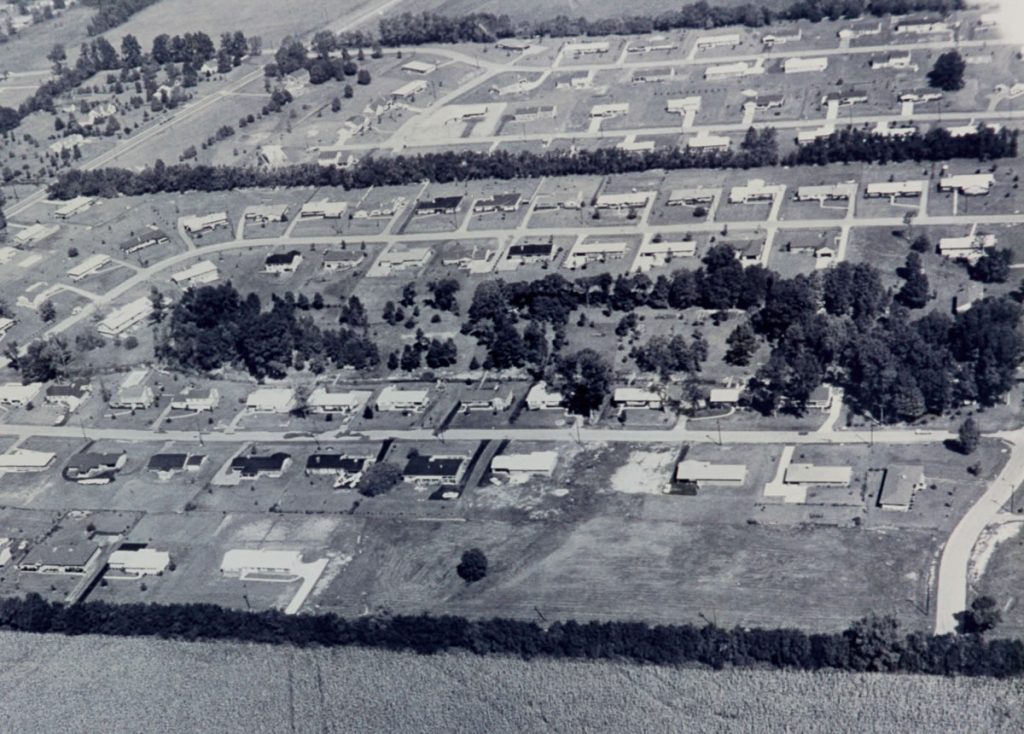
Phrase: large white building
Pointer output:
(125, 318)
(243, 563)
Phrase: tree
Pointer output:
(915, 290)
(982, 616)
(473, 566)
(443, 294)
(921, 244)
(969, 435)
(742, 345)
(586, 380)
(874, 643)
(992, 267)
(363, 77)
(379, 478)
(131, 52)
(47, 311)
(948, 72)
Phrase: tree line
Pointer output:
(112, 13)
(869, 644)
(410, 29)
(758, 149)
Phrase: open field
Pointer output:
(59, 684)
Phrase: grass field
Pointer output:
(60, 684)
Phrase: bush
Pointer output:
(379, 479)
(473, 566)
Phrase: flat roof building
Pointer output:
(17, 395)
(245, 562)
(323, 209)
(704, 472)
(74, 559)
(18, 461)
(632, 397)
(137, 562)
(754, 190)
(828, 192)
(197, 224)
(801, 64)
(819, 475)
(419, 67)
(148, 238)
(409, 89)
(126, 317)
(34, 233)
(264, 213)
(270, 400)
(396, 399)
(615, 109)
(198, 399)
(724, 395)
(201, 273)
(977, 184)
(894, 189)
(88, 266)
(726, 39)
(535, 463)
(737, 68)
(73, 206)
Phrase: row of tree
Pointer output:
(870, 644)
(112, 13)
(429, 27)
(758, 149)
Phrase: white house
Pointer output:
(409, 89)
(615, 109)
(328, 400)
(801, 64)
(894, 189)
(88, 266)
(838, 476)
(243, 563)
(35, 233)
(133, 397)
(396, 399)
(264, 213)
(196, 399)
(282, 262)
(270, 400)
(74, 206)
(708, 141)
(704, 472)
(19, 461)
(535, 463)
(977, 184)
(727, 39)
(201, 273)
(683, 105)
(419, 67)
(398, 260)
(737, 68)
(342, 259)
(323, 209)
(540, 398)
(629, 200)
(901, 482)
(586, 47)
(633, 397)
(588, 252)
(137, 562)
(126, 317)
(197, 224)
(829, 192)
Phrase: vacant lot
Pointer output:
(59, 684)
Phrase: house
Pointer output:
(706, 473)
(498, 203)
(148, 238)
(830, 192)
(708, 141)
(765, 102)
(514, 44)
(438, 205)
(271, 156)
(533, 113)
(901, 482)
(588, 252)
(133, 397)
(270, 400)
(423, 469)
(691, 197)
(74, 206)
(342, 259)
(737, 68)
(323, 209)
(971, 128)
(166, 466)
(87, 267)
(616, 109)
(820, 398)
(632, 200)
(243, 563)
(527, 251)
(348, 470)
(703, 43)
(845, 98)
(659, 253)
(725, 395)
(126, 317)
(968, 247)
(137, 562)
(778, 38)
(661, 74)
(967, 295)
(809, 136)
(894, 189)
(585, 48)
(754, 190)
(16, 395)
(419, 67)
(94, 468)
(631, 143)
(897, 62)
(921, 26)
(68, 396)
(385, 209)
(397, 260)
(977, 184)
(540, 398)
(75, 559)
(409, 90)
(336, 158)
(282, 262)
(835, 476)
(575, 81)
(748, 248)
(654, 43)
(535, 463)
(801, 64)
(264, 213)
(920, 96)
(861, 29)
(202, 273)
(197, 399)
(683, 105)
(68, 143)
(20, 461)
(633, 397)
(494, 399)
(197, 224)
(35, 233)
(329, 400)
(255, 466)
(396, 399)
(882, 129)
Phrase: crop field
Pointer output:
(59, 684)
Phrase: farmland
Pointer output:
(107, 684)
